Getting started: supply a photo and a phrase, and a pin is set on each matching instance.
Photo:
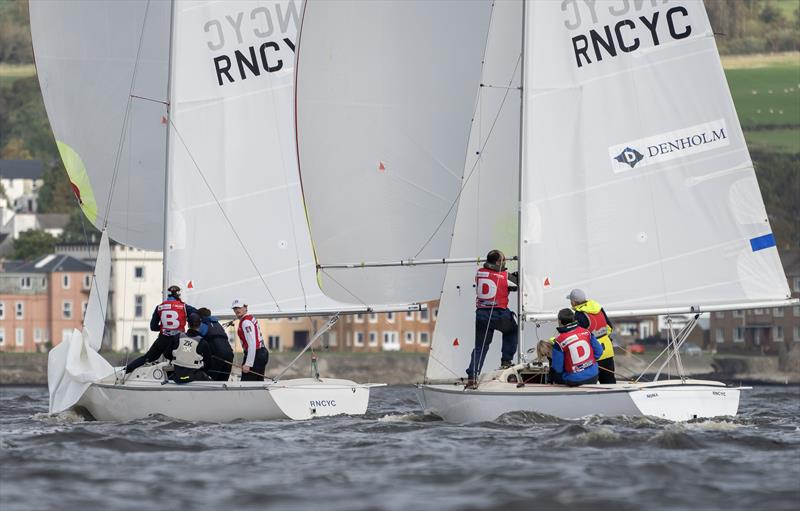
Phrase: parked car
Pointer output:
(688, 348)
(636, 348)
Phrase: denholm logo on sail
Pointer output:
(668, 146)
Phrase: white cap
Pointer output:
(238, 303)
(577, 296)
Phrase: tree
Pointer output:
(32, 244)
(79, 230)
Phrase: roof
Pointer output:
(48, 264)
(52, 220)
(21, 169)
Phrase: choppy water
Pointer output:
(396, 458)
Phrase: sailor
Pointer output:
(190, 354)
(575, 352)
(492, 313)
(590, 315)
(169, 320)
(219, 365)
(256, 355)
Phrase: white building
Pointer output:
(135, 290)
(21, 180)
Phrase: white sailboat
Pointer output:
(175, 121)
(621, 169)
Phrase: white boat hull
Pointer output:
(297, 399)
(673, 400)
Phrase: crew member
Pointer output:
(256, 355)
(575, 352)
(492, 313)
(219, 366)
(590, 315)
(191, 354)
(169, 320)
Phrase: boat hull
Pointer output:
(297, 399)
(673, 400)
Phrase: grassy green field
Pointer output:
(787, 7)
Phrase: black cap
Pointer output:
(566, 316)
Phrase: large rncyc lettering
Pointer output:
(487, 289)
(170, 320)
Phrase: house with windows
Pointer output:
(41, 301)
(761, 330)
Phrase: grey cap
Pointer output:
(577, 296)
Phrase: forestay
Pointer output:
(385, 94)
(487, 210)
(103, 70)
(638, 184)
(237, 226)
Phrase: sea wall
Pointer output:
(405, 368)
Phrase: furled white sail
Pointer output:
(74, 364)
(487, 210)
(638, 186)
(385, 93)
(237, 225)
(102, 68)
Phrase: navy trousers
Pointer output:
(486, 322)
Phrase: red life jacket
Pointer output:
(491, 288)
(259, 338)
(577, 347)
(172, 316)
(597, 324)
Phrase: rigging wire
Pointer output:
(224, 214)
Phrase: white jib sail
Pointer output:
(102, 68)
(638, 186)
(74, 364)
(236, 222)
(385, 94)
(487, 210)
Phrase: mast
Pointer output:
(520, 315)
(164, 274)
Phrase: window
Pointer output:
(332, 339)
(65, 281)
(738, 334)
(138, 306)
(84, 306)
(373, 317)
(359, 318)
(719, 314)
(423, 338)
(138, 272)
(373, 338)
(391, 341)
(738, 313)
(137, 340)
(20, 310)
(390, 317)
(797, 284)
(65, 333)
(777, 334)
(777, 312)
(359, 341)
(759, 312)
(37, 335)
(796, 311)
(20, 337)
(66, 309)
(44, 282)
(720, 337)
(409, 337)
(424, 315)
(25, 283)
(87, 281)
(274, 342)
(409, 315)
(2, 336)
(436, 313)
(348, 339)
(796, 334)
(2, 310)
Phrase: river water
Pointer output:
(396, 458)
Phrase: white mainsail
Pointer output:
(385, 94)
(487, 210)
(236, 224)
(638, 186)
(103, 69)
